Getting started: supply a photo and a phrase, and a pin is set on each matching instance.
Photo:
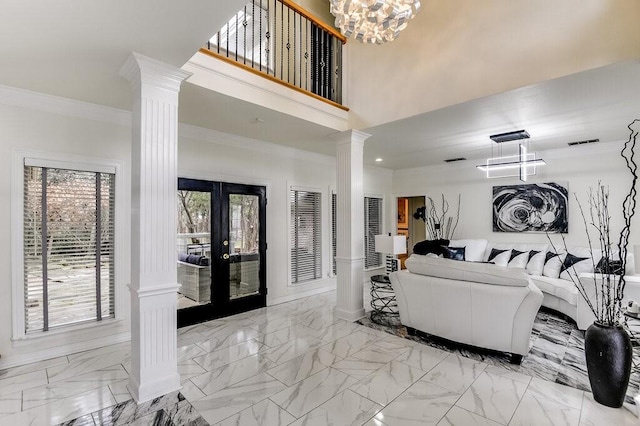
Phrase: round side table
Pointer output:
(383, 301)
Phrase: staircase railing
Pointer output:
(280, 40)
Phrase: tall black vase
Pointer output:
(609, 353)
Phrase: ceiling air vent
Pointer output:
(583, 142)
(510, 136)
(451, 160)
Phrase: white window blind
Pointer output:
(372, 227)
(306, 236)
(334, 231)
(68, 247)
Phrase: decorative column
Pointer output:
(154, 180)
(350, 225)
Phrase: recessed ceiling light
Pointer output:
(378, 160)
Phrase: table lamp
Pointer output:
(391, 245)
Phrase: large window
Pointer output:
(306, 236)
(372, 227)
(68, 243)
(334, 232)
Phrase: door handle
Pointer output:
(225, 256)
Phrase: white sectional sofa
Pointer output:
(546, 272)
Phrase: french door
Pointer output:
(221, 249)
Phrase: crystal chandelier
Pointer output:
(373, 21)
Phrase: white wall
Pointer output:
(581, 166)
(36, 122)
(455, 51)
(216, 156)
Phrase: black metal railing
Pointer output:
(281, 40)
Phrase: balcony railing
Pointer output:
(285, 43)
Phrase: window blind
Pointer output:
(334, 231)
(306, 241)
(372, 227)
(68, 247)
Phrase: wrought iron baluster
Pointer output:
(282, 40)
(288, 44)
(227, 39)
(236, 49)
(253, 31)
(244, 38)
(294, 47)
(306, 56)
(260, 35)
(275, 36)
(218, 44)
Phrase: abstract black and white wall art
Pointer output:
(540, 207)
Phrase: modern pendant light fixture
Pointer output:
(522, 165)
(373, 21)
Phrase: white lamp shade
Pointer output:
(391, 244)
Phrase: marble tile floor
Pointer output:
(556, 352)
(294, 364)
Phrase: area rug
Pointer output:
(556, 351)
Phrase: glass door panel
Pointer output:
(244, 244)
(194, 248)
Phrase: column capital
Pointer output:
(349, 136)
(139, 69)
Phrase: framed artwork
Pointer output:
(540, 207)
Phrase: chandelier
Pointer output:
(522, 165)
(373, 21)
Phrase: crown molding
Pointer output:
(235, 141)
(13, 96)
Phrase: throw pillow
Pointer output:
(518, 259)
(473, 249)
(609, 266)
(431, 246)
(455, 253)
(572, 266)
(535, 265)
(552, 265)
(499, 257)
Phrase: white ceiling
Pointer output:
(595, 104)
(74, 48)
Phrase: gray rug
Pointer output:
(556, 352)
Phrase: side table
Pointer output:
(633, 330)
(383, 301)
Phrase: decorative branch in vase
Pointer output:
(608, 348)
(440, 225)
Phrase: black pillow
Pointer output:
(454, 253)
(608, 266)
(431, 246)
(494, 253)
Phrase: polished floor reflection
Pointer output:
(296, 364)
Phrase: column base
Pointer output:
(351, 316)
(152, 390)
(154, 365)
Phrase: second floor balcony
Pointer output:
(281, 41)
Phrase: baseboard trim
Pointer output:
(58, 351)
(351, 316)
(289, 298)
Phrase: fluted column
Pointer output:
(154, 165)
(350, 224)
